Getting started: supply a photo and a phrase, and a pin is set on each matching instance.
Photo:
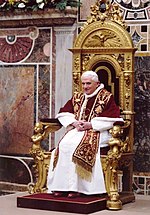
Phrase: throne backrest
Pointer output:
(105, 46)
(107, 76)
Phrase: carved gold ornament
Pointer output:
(102, 10)
(85, 61)
(76, 63)
(103, 38)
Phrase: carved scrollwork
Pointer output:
(76, 74)
(77, 63)
(128, 63)
(127, 99)
(127, 80)
(116, 15)
(102, 10)
(76, 79)
(120, 59)
(85, 61)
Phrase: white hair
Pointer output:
(93, 75)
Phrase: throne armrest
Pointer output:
(41, 131)
(51, 124)
(44, 127)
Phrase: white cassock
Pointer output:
(64, 176)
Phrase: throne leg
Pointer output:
(41, 169)
(111, 183)
(113, 202)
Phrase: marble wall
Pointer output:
(25, 89)
(29, 89)
(17, 108)
(142, 115)
(35, 68)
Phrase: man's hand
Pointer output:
(82, 125)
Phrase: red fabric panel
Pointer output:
(110, 110)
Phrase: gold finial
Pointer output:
(103, 10)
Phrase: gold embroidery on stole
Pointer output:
(84, 155)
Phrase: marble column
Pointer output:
(63, 85)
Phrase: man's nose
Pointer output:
(85, 85)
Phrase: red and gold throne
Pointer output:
(104, 46)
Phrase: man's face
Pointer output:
(88, 85)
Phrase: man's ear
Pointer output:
(98, 83)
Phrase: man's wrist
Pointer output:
(74, 124)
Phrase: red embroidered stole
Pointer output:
(84, 155)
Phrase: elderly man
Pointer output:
(75, 166)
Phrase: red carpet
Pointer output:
(43, 201)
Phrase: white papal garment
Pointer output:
(64, 176)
